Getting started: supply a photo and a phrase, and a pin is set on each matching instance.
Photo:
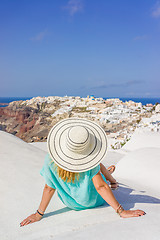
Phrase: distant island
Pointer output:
(32, 119)
(3, 104)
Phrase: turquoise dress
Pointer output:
(78, 195)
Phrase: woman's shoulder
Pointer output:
(48, 160)
(94, 171)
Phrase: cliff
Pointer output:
(29, 123)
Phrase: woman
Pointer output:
(73, 167)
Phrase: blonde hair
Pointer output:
(66, 175)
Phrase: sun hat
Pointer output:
(77, 144)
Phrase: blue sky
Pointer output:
(80, 47)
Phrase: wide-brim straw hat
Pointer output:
(77, 144)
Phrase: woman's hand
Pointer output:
(30, 219)
(132, 213)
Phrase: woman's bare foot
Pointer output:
(111, 169)
(114, 186)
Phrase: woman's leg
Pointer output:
(111, 169)
(108, 176)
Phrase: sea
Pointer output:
(11, 99)
(144, 101)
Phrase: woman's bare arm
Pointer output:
(46, 197)
(106, 193)
(104, 190)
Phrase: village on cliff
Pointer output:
(32, 119)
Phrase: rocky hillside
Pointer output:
(30, 123)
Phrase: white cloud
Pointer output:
(156, 10)
(104, 85)
(73, 6)
(40, 36)
(147, 94)
(142, 37)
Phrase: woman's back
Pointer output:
(78, 195)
